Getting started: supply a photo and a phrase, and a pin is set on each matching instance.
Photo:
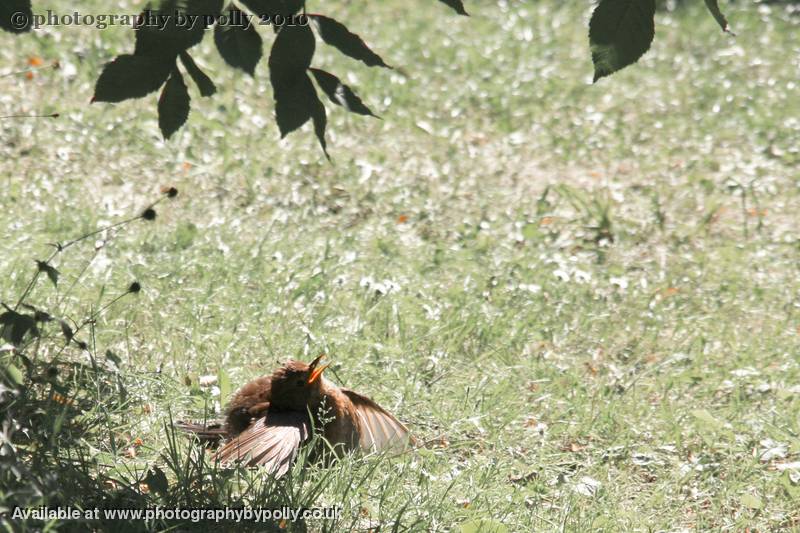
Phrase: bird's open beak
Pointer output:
(316, 372)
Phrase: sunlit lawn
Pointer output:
(583, 299)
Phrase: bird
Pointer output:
(272, 416)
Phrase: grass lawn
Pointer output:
(583, 299)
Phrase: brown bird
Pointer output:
(271, 417)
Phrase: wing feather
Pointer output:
(271, 441)
(378, 428)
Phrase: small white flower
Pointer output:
(207, 381)
(562, 275)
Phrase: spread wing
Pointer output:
(378, 428)
(271, 441)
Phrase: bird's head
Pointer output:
(297, 385)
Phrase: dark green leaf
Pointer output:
(203, 82)
(294, 104)
(620, 32)
(157, 480)
(239, 45)
(130, 76)
(337, 35)
(458, 5)
(48, 269)
(339, 93)
(271, 8)
(174, 26)
(16, 15)
(15, 325)
(173, 105)
(713, 7)
(291, 55)
(295, 97)
(320, 119)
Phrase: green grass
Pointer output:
(590, 315)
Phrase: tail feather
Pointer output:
(210, 433)
(271, 441)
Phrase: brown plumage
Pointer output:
(271, 417)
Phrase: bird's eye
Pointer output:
(300, 383)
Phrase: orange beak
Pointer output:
(316, 371)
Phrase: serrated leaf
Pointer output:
(751, 501)
(620, 32)
(50, 270)
(271, 8)
(15, 374)
(337, 35)
(320, 119)
(296, 100)
(203, 82)
(130, 76)
(239, 45)
(293, 106)
(713, 7)
(175, 26)
(291, 55)
(173, 105)
(16, 16)
(296, 104)
(157, 480)
(14, 326)
(457, 5)
(339, 93)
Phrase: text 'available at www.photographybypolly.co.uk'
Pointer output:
(222, 514)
